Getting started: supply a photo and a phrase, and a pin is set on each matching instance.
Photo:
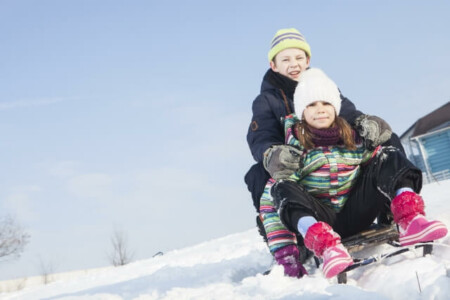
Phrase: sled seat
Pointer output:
(374, 236)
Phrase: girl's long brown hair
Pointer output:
(305, 136)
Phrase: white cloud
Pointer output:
(214, 133)
(26, 188)
(19, 203)
(27, 103)
(92, 185)
(64, 169)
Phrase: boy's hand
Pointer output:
(281, 161)
(373, 129)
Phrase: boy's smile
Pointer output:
(294, 74)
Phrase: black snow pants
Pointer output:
(369, 198)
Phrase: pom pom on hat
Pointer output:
(314, 85)
(288, 38)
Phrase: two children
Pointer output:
(289, 55)
(339, 187)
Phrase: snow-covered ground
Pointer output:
(231, 267)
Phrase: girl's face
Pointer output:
(319, 114)
(290, 63)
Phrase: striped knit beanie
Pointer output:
(288, 38)
(314, 85)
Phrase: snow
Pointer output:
(231, 267)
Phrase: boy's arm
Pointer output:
(349, 111)
(266, 140)
(265, 129)
(373, 129)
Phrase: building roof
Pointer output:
(431, 121)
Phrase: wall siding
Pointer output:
(438, 151)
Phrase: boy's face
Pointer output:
(319, 114)
(290, 63)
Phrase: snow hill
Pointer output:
(231, 267)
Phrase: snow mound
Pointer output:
(231, 268)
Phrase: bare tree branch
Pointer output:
(121, 254)
(47, 268)
(12, 238)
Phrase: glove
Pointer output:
(281, 161)
(373, 129)
(288, 257)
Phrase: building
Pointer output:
(427, 144)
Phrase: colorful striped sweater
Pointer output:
(328, 173)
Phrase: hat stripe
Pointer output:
(289, 35)
(295, 34)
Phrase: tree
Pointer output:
(47, 268)
(13, 238)
(121, 254)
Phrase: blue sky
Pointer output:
(133, 114)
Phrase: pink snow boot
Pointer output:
(324, 242)
(408, 210)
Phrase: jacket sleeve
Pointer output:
(265, 129)
(349, 111)
(278, 236)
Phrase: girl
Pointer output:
(340, 186)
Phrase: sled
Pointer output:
(377, 235)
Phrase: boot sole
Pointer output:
(431, 233)
(337, 266)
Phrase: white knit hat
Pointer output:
(314, 85)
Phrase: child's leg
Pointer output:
(302, 213)
(294, 203)
(407, 205)
(383, 179)
(392, 171)
(409, 212)
(366, 200)
(326, 243)
(278, 236)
